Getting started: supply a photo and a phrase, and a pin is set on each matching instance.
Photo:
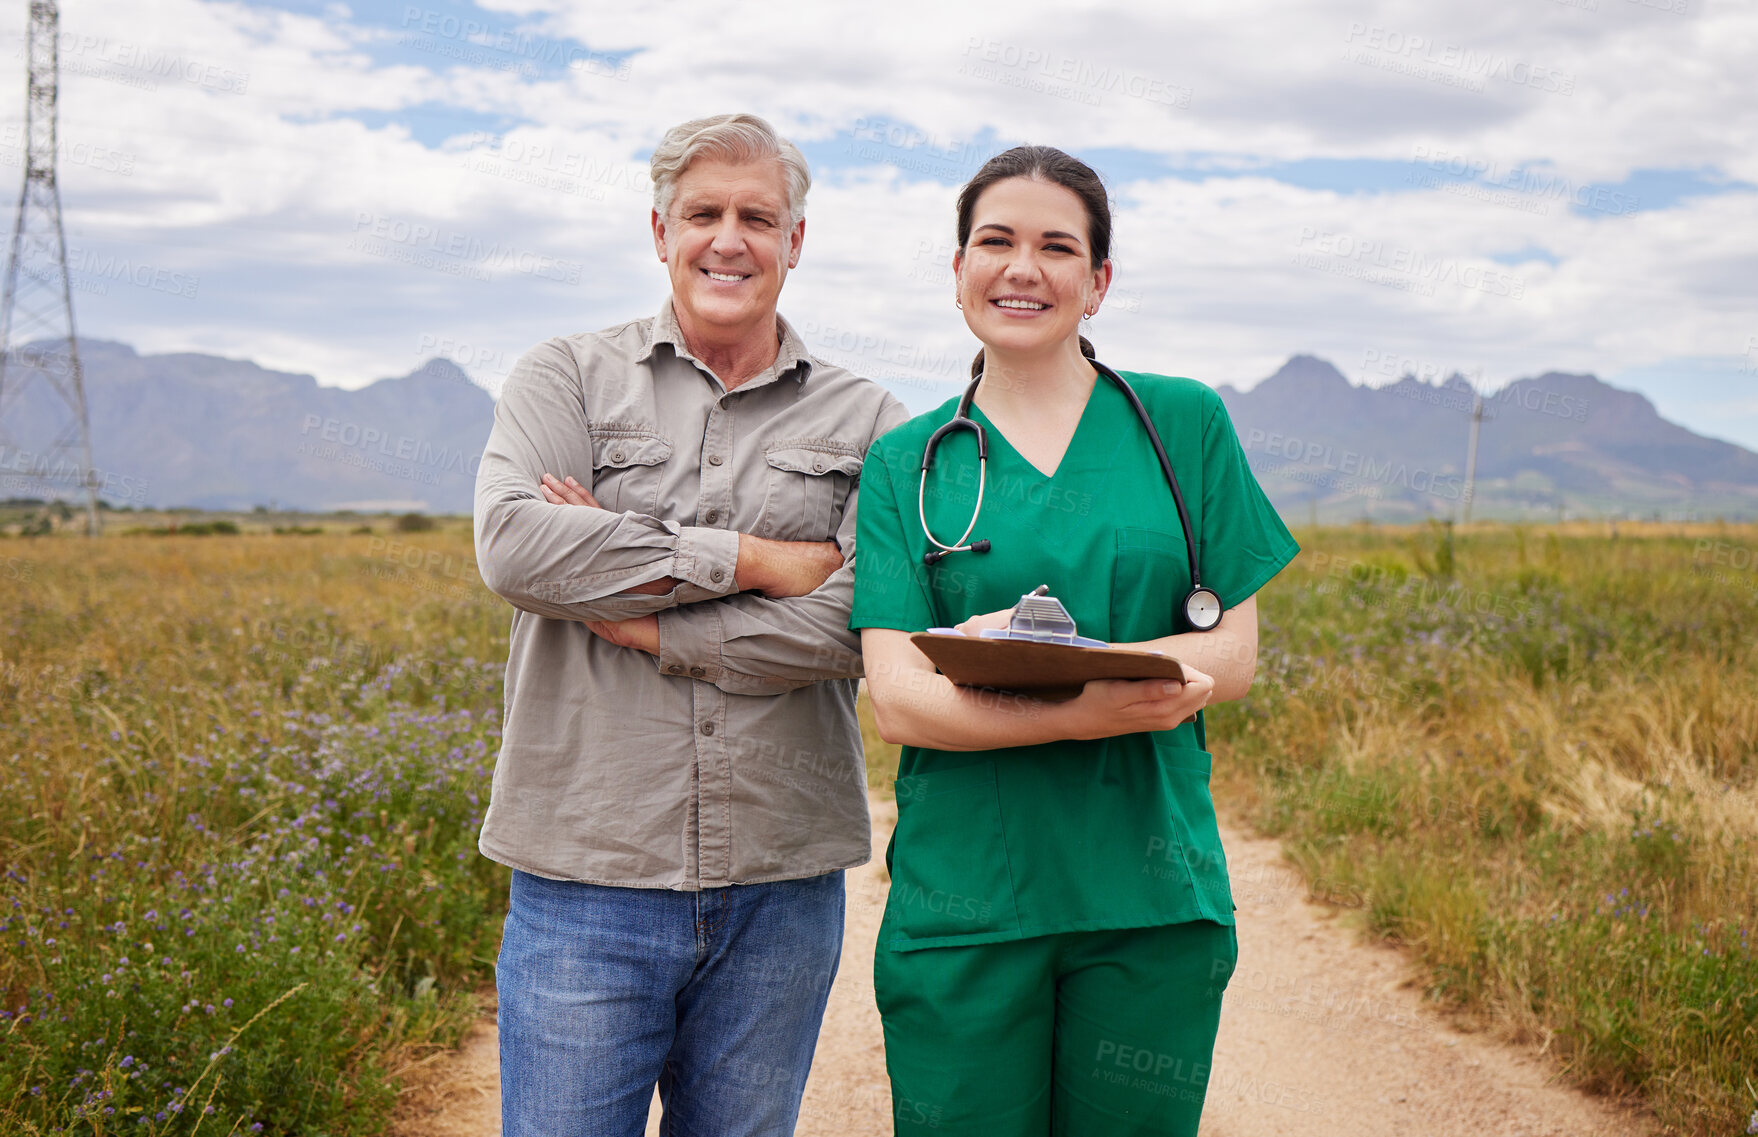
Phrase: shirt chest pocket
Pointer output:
(627, 466)
(808, 483)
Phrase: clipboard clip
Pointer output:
(1041, 618)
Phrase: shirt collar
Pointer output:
(792, 360)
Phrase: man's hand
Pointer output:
(566, 491)
(641, 633)
(784, 568)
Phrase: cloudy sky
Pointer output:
(1497, 189)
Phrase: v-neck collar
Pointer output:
(1086, 412)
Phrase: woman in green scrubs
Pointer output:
(1060, 927)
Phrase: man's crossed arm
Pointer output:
(776, 621)
(772, 568)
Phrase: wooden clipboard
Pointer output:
(1042, 670)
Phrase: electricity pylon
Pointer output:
(37, 308)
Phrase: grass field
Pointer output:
(241, 777)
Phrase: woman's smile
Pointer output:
(1025, 276)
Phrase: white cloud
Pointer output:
(329, 245)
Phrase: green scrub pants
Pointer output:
(1076, 1034)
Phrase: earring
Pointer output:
(1090, 313)
(959, 303)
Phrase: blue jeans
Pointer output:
(715, 996)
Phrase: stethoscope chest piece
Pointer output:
(1202, 608)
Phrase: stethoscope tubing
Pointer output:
(961, 420)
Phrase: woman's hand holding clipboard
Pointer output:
(1038, 654)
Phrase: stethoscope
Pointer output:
(1202, 608)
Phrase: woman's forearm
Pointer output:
(917, 706)
(913, 707)
(1228, 652)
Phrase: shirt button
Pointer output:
(712, 516)
(707, 728)
(717, 575)
(714, 459)
(617, 456)
(698, 672)
(817, 467)
(676, 669)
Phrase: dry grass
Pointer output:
(1534, 758)
(1531, 755)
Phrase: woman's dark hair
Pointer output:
(1043, 164)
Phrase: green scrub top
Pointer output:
(1014, 842)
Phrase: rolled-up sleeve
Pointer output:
(571, 562)
(755, 645)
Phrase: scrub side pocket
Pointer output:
(949, 872)
(1195, 832)
(808, 482)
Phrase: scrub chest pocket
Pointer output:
(808, 482)
(626, 469)
(1151, 574)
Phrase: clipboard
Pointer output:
(1038, 655)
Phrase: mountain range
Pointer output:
(1559, 445)
(208, 432)
(213, 433)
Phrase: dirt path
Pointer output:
(1321, 1034)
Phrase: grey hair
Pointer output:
(731, 138)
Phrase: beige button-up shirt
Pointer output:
(734, 756)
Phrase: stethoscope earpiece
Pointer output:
(1202, 607)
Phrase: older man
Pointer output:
(669, 504)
